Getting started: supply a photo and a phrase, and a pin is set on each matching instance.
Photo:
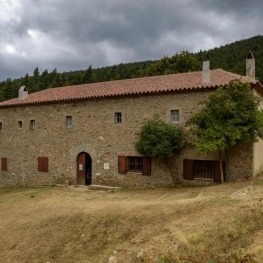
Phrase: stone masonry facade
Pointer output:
(95, 132)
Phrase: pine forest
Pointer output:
(230, 57)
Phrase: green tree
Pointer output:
(179, 63)
(229, 116)
(35, 80)
(88, 75)
(26, 80)
(8, 91)
(161, 140)
(44, 80)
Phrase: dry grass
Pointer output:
(60, 224)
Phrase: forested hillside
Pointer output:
(230, 57)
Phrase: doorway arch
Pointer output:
(84, 169)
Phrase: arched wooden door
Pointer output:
(84, 166)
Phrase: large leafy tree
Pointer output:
(160, 139)
(230, 115)
(179, 63)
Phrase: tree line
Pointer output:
(230, 57)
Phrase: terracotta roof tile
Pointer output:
(156, 84)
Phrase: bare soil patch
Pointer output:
(67, 224)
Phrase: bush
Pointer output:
(159, 139)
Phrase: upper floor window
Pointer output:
(32, 125)
(118, 117)
(20, 125)
(1, 126)
(174, 115)
(69, 121)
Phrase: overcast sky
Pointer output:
(71, 35)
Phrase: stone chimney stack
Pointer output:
(23, 93)
(250, 65)
(206, 72)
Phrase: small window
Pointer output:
(20, 125)
(134, 164)
(32, 125)
(42, 164)
(4, 164)
(69, 121)
(174, 115)
(1, 126)
(118, 117)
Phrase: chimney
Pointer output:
(23, 93)
(250, 65)
(206, 72)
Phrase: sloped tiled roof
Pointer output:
(157, 84)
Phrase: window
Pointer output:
(32, 125)
(1, 126)
(174, 115)
(20, 125)
(69, 121)
(202, 169)
(134, 164)
(118, 117)
(4, 164)
(42, 164)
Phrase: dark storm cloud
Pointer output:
(70, 35)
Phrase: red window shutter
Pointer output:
(122, 166)
(188, 173)
(217, 177)
(43, 164)
(4, 164)
(146, 166)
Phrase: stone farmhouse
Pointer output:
(86, 133)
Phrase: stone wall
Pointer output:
(95, 132)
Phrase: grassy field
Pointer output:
(68, 224)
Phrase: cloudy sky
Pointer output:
(70, 35)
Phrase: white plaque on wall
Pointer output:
(106, 166)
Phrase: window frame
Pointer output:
(20, 124)
(173, 115)
(118, 117)
(125, 161)
(69, 121)
(134, 164)
(197, 169)
(32, 124)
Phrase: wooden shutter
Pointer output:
(217, 177)
(122, 166)
(188, 173)
(146, 166)
(43, 164)
(4, 164)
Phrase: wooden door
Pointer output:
(188, 172)
(81, 163)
